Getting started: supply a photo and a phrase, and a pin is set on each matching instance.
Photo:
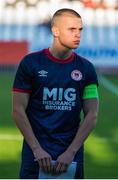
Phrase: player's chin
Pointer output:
(75, 46)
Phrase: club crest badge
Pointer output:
(76, 75)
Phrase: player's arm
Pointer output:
(90, 109)
(20, 102)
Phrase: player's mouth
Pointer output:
(77, 42)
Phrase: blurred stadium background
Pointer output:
(24, 28)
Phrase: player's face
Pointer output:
(68, 31)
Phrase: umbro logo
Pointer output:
(42, 73)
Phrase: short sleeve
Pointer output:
(91, 75)
(23, 77)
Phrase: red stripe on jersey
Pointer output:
(21, 90)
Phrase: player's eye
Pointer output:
(72, 29)
(81, 29)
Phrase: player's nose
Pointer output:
(78, 34)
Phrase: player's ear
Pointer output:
(55, 31)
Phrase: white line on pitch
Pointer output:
(108, 85)
(10, 137)
(13, 137)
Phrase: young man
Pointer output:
(50, 90)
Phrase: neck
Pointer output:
(60, 53)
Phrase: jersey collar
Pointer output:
(62, 61)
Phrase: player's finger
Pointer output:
(49, 168)
(44, 164)
(40, 163)
(64, 167)
(58, 167)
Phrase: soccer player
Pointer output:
(51, 88)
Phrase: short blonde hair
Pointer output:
(60, 12)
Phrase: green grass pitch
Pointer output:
(100, 148)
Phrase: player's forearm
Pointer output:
(84, 130)
(23, 124)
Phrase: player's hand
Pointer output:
(44, 159)
(63, 162)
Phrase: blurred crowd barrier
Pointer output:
(20, 21)
(98, 43)
(11, 52)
